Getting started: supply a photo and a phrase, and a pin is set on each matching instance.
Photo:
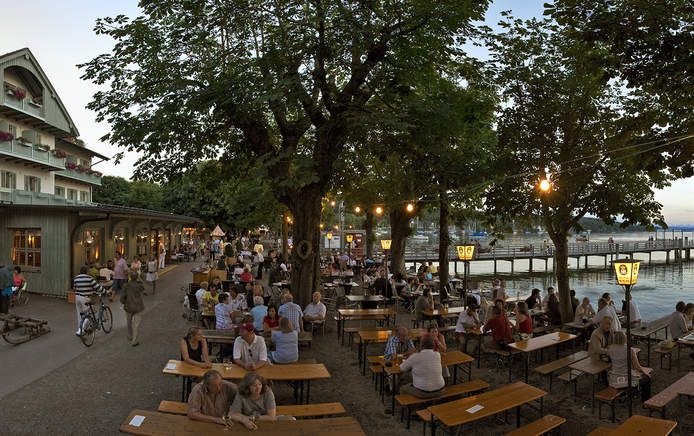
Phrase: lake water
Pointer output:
(660, 286)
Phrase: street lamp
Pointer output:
(385, 244)
(330, 237)
(465, 253)
(349, 238)
(627, 271)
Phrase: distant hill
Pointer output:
(596, 225)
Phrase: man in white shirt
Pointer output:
(315, 311)
(468, 320)
(634, 312)
(237, 303)
(606, 310)
(678, 322)
(427, 374)
(250, 352)
(200, 292)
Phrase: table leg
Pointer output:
(364, 345)
(183, 389)
(296, 391)
(455, 374)
(527, 364)
(592, 399)
(396, 388)
(469, 371)
(433, 426)
(648, 347)
(338, 325)
(517, 416)
(542, 406)
(479, 350)
(308, 390)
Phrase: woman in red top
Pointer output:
(272, 320)
(439, 340)
(246, 276)
(523, 319)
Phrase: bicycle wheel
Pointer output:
(88, 331)
(107, 320)
(23, 298)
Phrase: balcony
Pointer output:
(21, 197)
(25, 105)
(37, 155)
(82, 176)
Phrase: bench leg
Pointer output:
(518, 417)
(599, 410)
(613, 407)
(409, 417)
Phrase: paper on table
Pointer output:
(474, 409)
(170, 366)
(137, 420)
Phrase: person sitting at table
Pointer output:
(534, 299)
(617, 374)
(209, 300)
(200, 292)
(248, 293)
(399, 343)
(678, 321)
(238, 304)
(604, 309)
(524, 322)
(498, 292)
(272, 320)
(246, 276)
(259, 313)
(467, 321)
(286, 341)
(291, 310)
(250, 352)
(545, 301)
(383, 286)
(222, 313)
(574, 301)
(315, 310)
(424, 302)
(553, 309)
(348, 271)
(218, 283)
(254, 402)
(210, 400)
(601, 338)
(688, 314)
(427, 372)
(634, 312)
(500, 328)
(439, 343)
(584, 311)
(194, 349)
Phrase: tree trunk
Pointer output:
(443, 240)
(285, 236)
(561, 255)
(306, 209)
(369, 240)
(399, 231)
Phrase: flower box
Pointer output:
(6, 136)
(59, 153)
(41, 147)
(71, 165)
(24, 141)
(36, 103)
(19, 94)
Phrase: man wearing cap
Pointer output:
(249, 349)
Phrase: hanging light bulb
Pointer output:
(409, 207)
(332, 203)
(379, 210)
(357, 209)
(545, 185)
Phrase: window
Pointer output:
(26, 249)
(85, 163)
(91, 242)
(32, 184)
(8, 179)
(59, 191)
(84, 196)
(13, 130)
(72, 194)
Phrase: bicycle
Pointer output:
(91, 322)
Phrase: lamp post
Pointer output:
(465, 253)
(349, 238)
(330, 237)
(627, 271)
(385, 244)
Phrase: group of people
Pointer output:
(10, 283)
(115, 273)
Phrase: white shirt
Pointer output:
(198, 296)
(583, 312)
(239, 303)
(608, 311)
(284, 267)
(106, 273)
(426, 370)
(222, 316)
(634, 313)
(315, 310)
(255, 352)
(464, 318)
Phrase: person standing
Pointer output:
(6, 284)
(162, 256)
(84, 287)
(152, 272)
(133, 306)
(120, 272)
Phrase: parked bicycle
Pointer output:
(91, 322)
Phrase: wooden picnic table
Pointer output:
(683, 386)
(643, 425)
(360, 314)
(651, 328)
(454, 358)
(167, 424)
(297, 372)
(492, 402)
(366, 301)
(578, 325)
(451, 311)
(592, 366)
(379, 336)
(540, 343)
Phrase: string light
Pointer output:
(332, 203)
(409, 207)
(379, 210)
(320, 225)
(357, 209)
(545, 185)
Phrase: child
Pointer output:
(152, 275)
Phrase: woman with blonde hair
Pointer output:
(617, 375)
(286, 341)
(194, 349)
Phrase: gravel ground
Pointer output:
(94, 392)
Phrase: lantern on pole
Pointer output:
(465, 253)
(627, 272)
(349, 238)
(385, 244)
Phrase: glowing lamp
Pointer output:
(627, 271)
(545, 185)
(357, 209)
(465, 252)
(349, 238)
(332, 203)
(379, 210)
(385, 244)
(320, 225)
(409, 207)
(329, 236)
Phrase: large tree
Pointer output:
(283, 82)
(567, 119)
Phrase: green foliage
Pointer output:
(121, 192)
(113, 190)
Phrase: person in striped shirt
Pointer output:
(84, 286)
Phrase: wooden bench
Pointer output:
(600, 431)
(406, 401)
(665, 353)
(297, 411)
(550, 368)
(607, 396)
(536, 428)
(571, 376)
(426, 418)
(352, 330)
(660, 400)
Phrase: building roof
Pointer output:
(98, 208)
(72, 144)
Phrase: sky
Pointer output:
(61, 36)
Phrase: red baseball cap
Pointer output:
(248, 326)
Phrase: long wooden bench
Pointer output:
(660, 400)
(406, 401)
(297, 411)
(549, 369)
(536, 428)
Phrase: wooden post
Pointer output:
(530, 264)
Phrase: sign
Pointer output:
(385, 244)
(465, 252)
(627, 271)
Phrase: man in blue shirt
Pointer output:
(292, 311)
(399, 343)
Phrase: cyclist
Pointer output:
(84, 287)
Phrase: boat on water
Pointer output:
(583, 236)
(478, 234)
